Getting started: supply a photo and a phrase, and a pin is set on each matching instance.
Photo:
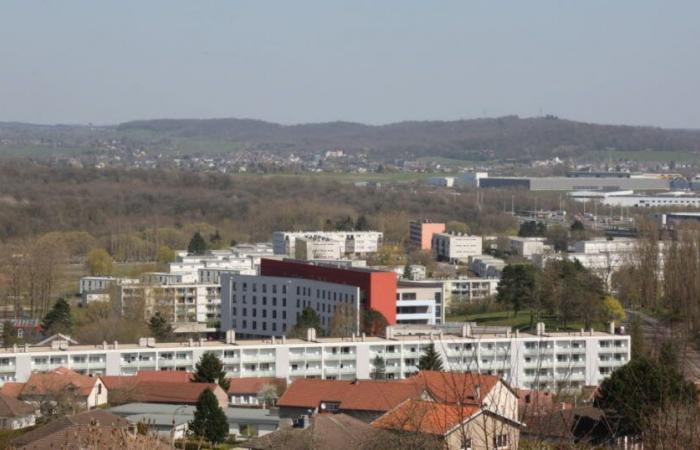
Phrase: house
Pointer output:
(89, 429)
(87, 392)
(363, 399)
(458, 427)
(15, 414)
(160, 387)
(249, 391)
(468, 388)
(584, 424)
(324, 432)
(26, 329)
(172, 420)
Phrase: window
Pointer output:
(274, 301)
(466, 443)
(99, 388)
(500, 441)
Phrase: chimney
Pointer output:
(190, 342)
(517, 333)
(284, 339)
(540, 328)
(26, 347)
(143, 342)
(201, 342)
(363, 337)
(388, 332)
(274, 340)
(14, 348)
(116, 345)
(468, 330)
(611, 330)
(104, 345)
(230, 336)
(477, 392)
(310, 334)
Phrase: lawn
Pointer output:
(521, 321)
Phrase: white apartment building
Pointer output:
(181, 303)
(317, 248)
(486, 266)
(269, 306)
(351, 242)
(454, 247)
(419, 302)
(527, 247)
(653, 201)
(95, 284)
(531, 361)
(469, 289)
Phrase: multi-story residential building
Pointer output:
(356, 243)
(419, 302)
(181, 303)
(468, 289)
(317, 248)
(377, 287)
(486, 266)
(421, 232)
(541, 360)
(527, 247)
(255, 305)
(95, 284)
(455, 247)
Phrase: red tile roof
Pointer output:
(253, 385)
(11, 407)
(164, 376)
(56, 381)
(364, 395)
(157, 392)
(454, 387)
(426, 417)
(12, 389)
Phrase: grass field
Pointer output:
(521, 321)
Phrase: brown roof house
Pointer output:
(461, 410)
(253, 392)
(60, 386)
(160, 387)
(321, 432)
(363, 399)
(94, 429)
(15, 414)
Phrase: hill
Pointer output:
(476, 139)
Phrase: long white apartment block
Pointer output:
(350, 242)
(541, 360)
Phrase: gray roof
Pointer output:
(184, 413)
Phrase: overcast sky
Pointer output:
(374, 61)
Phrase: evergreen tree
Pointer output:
(307, 319)
(160, 326)
(209, 419)
(378, 368)
(518, 287)
(197, 245)
(58, 319)
(430, 360)
(407, 271)
(362, 224)
(9, 334)
(637, 391)
(210, 369)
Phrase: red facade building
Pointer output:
(377, 288)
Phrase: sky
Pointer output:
(374, 61)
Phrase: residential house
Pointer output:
(458, 426)
(254, 392)
(89, 429)
(15, 414)
(365, 400)
(87, 392)
(324, 432)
